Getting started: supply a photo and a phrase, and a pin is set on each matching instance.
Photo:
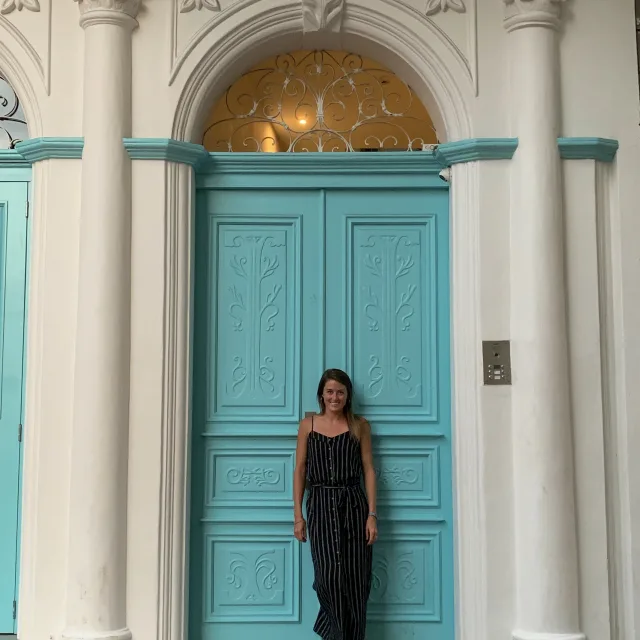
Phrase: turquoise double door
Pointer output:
(13, 252)
(294, 274)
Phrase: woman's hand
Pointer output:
(300, 530)
(372, 529)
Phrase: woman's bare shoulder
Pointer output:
(363, 423)
(305, 426)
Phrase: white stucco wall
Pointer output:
(41, 54)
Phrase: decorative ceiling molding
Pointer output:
(189, 5)
(129, 7)
(435, 6)
(322, 15)
(7, 6)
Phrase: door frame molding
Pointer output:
(467, 440)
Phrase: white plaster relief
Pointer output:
(7, 6)
(322, 15)
(36, 40)
(469, 7)
(523, 12)
(435, 6)
(130, 7)
(198, 5)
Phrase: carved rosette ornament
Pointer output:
(436, 6)
(7, 6)
(322, 15)
(127, 7)
(532, 13)
(189, 5)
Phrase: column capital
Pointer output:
(532, 13)
(108, 11)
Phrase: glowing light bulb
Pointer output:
(302, 121)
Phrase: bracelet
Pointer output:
(373, 514)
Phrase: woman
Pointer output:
(334, 450)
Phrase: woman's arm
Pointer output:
(367, 464)
(300, 471)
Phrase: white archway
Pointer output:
(405, 40)
(410, 45)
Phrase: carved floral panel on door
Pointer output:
(255, 312)
(391, 274)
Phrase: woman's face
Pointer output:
(334, 396)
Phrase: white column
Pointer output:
(545, 521)
(96, 589)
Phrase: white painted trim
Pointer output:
(527, 635)
(176, 404)
(470, 528)
(614, 419)
(440, 79)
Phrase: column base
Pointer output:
(530, 635)
(118, 634)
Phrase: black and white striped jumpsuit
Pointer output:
(337, 511)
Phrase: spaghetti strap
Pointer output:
(312, 424)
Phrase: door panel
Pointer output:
(13, 201)
(391, 253)
(249, 382)
(289, 282)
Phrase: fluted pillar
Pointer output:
(96, 591)
(544, 500)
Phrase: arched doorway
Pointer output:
(305, 261)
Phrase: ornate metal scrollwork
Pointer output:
(13, 126)
(319, 101)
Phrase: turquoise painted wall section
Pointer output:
(13, 264)
(475, 149)
(302, 263)
(445, 154)
(599, 149)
